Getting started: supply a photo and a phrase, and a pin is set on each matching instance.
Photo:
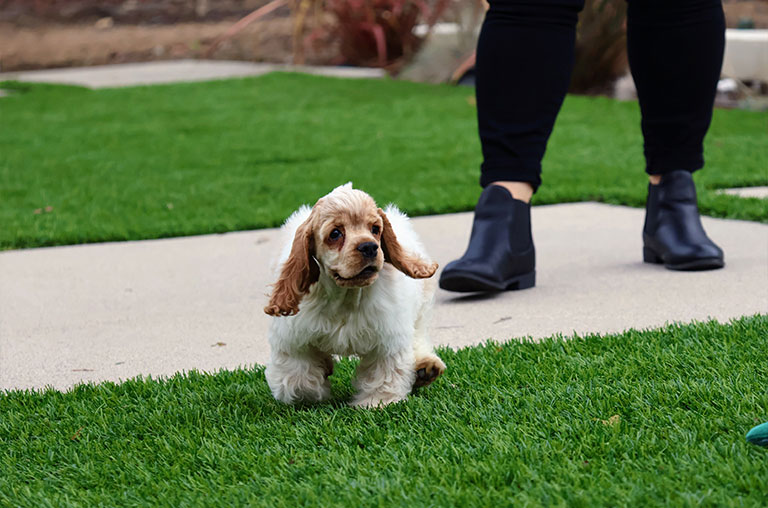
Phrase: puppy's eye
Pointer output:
(335, 234)
(375, 230)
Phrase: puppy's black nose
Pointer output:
(368, 249)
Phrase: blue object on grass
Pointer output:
(759, 435)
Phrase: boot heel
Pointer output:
(650, 257)
(524, 281)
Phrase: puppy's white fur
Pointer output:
(384, 323)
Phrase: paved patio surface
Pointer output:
(116, 310)
(748, 192)
(173, 71)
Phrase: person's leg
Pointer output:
(523, 68)
(524, 62)
(675, 53)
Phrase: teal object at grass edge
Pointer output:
(759, 435)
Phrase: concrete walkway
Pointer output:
(174, 71)
(117, 310)
(748, 192)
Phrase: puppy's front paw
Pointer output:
(428, 369)
(374, 401)
(293, 380)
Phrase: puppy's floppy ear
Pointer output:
(413, 266)
(299, 272)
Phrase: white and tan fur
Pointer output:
(331, 299)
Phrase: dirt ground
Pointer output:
(56, 45)
(45, 44)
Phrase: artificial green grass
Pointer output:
(184, 159)
(642, 418)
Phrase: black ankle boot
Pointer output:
(500, 255)
(673, 233)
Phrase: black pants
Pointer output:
(524, 61)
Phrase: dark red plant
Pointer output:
(600, 52)
(379, 32)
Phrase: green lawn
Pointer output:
(641, 418)
(187, 159)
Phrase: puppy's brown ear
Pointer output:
(299, 272)
(411, 265)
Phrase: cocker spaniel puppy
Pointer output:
(352, 280)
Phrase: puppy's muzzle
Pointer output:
(368, 249)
